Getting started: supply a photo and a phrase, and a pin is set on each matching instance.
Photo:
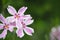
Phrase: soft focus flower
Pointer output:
(17, 16)
(5, 26)
(55, 33)
(25, 28)
(21, 21)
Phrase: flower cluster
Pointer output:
(18, 20)
(55, 33)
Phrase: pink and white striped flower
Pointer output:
(21, 21)
(5, 26)
(25, 28)
(17, 16)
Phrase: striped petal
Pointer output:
(18, 24)
(22, 10)
(26, 17)
(3, 34)
(28, 31)
(11, 10)
(20, 33)
(2, 19)
(28, 22)
(10, 19)
(1, 26)
(11, 28)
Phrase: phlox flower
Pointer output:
(17, 16)
(21, 21)
(55, 33)
(5, 25)
(25, 28)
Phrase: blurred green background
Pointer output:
(46, 14)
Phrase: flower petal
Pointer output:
(20, 33)
(28, 22)
(18, 24)
(1, 26)
(11, 28)
(28, 31)
(26, 17)
(2, 19)
(22, 10)
(10, 19)
(11, 10)
(13, 23)
(3, 34)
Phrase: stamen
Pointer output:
(17, 16)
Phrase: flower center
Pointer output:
(17, 16)
(6, 26)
